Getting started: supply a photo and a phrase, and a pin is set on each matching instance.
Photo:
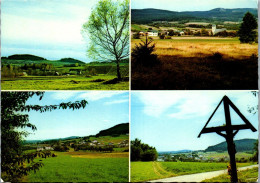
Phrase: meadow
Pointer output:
(63, 83)
(145, 171)
(250, 175)
(198, 63)
(82, 167)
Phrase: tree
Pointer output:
(14, 119)
(108, 31)
(142, 152)
(246, 31)
(142, 54)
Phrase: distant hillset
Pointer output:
(242, 145)
(144, 16)
(28, 57)
(120, 129)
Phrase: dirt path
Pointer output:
(198, 177)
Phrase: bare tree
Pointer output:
(108, 31)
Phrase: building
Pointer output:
(152, 33)
(215, 30)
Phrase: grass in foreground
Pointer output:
(249, 175)
(62, 83)
(194, 63)
(144, 171)
(65, 168)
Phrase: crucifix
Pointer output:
(228, 131)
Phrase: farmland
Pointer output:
(199, 63)
(86, 167)
(64, 74)
(75, 162)
(144, 171)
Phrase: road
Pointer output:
(198, 177)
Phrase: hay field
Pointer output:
(203, 46)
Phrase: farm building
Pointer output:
(152, 33)
(215, 30)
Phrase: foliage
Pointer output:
(256, 152)
(14, 115)
(142, 54)
(136, 35)
(24, 57)
(108, 30)
(142, 152)
(246, 31)
(146, 16)
(120, 129)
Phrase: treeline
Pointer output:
(142, 152)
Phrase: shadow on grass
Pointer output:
(197, 73)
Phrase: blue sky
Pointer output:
(194, 5)
(172, 120)
(49, 28)
(104, 110)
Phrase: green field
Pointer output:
(144, 171)
(62, 83)
(250, 175)
(68, 168)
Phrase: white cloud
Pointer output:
(97, 95)
(186, 104)
(117, 101)
(63, 95)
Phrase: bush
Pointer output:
(142, 152)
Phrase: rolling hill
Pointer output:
(120, 129)
(32, 59)
(241, 145)
(145, 16)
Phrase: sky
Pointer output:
(192, 5)
(49, 28)
(172, 120)
(105, 109)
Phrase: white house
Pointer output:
(215, 30)
(152, 33)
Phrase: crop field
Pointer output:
(84, 167)
(189, 63)
(144, 171)
(203, 46)
(63, 83)
(250, 175)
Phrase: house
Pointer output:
(40, 148)
(152, 33)
(215, 30)
(48, 148)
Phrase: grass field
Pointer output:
(189, 63)
(62, 83)
(82, 167)
(144, 171)
(250, 175)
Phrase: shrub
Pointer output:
(142, 54)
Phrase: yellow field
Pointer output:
(201, 47)
(98, 155)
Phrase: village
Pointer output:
(82, 144)
(188, 29)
